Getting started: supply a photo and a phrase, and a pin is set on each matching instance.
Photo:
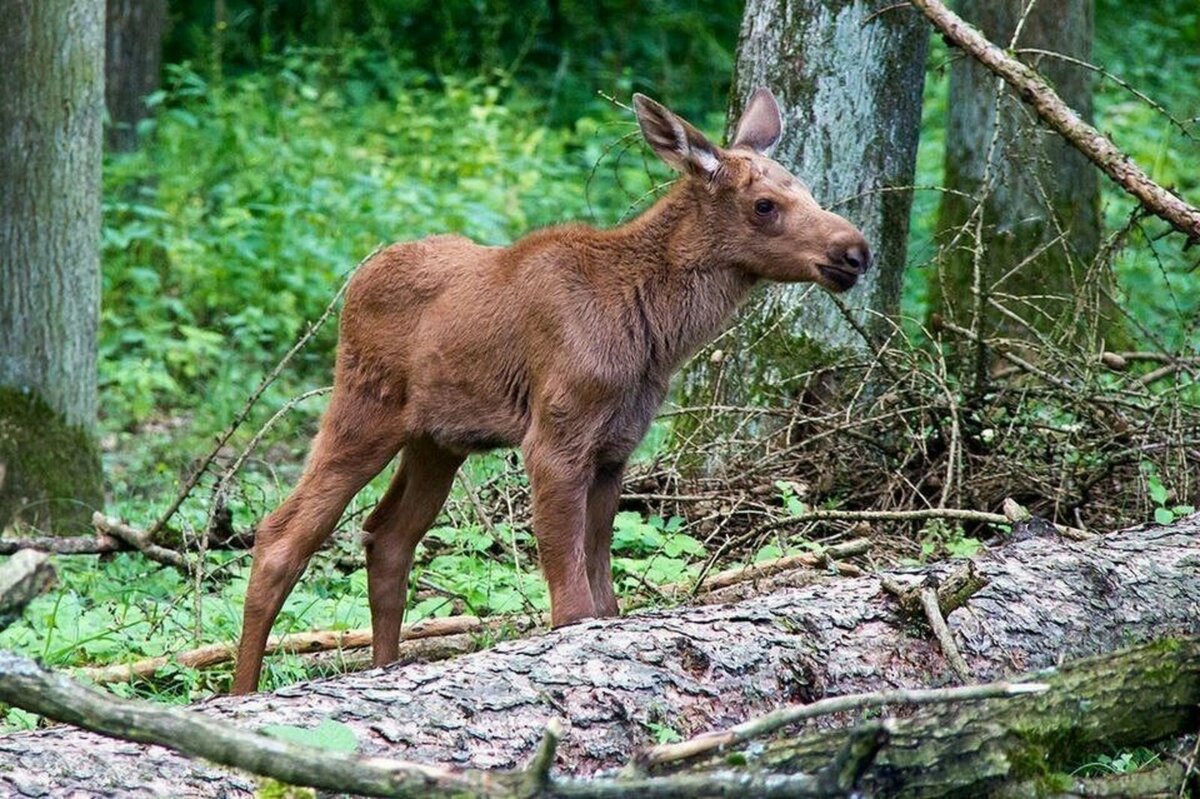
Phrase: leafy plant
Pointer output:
(1164, 513)
(1120, 763)
(938, 537)
(789, 492)
(328, 734)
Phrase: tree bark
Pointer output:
(848, 81)
(132, 64)
(1036, 185)
(51, 104)
(616, 683)
(1140, 696)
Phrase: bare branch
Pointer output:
(1034, 89)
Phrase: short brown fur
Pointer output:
(562, 344)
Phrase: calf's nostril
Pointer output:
(857, 258)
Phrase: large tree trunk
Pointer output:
(848, 81)
(614, 682)
(51, 104)
(1037, 185)
(133, 59)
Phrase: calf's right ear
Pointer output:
(684, 148)
(761, 124)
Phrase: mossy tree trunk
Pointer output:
(51, 104)
(132, 62)
(849, 83)
(1041, 193)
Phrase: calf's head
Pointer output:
(759, 215)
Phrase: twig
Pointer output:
(919, 514)
(758, 571)
(1034, 89)
(139, 540)
(777, 719)
(537, 773)
(952, 593)
(73, 545)
(1189, 768)
(1110, 76)
(252, 400)
(933, 614)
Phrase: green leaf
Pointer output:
(1163, 515)
(329, 734)
(963, 547)
(1158, 492)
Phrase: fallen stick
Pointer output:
(810, 560)
(68, 545)
(139, 540)
(723, 740)
(294, 644)
(1035, 90)
(921, 514)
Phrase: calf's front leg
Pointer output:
(603, 497)
(560, 487)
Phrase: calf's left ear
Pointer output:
(675, 140)
(761, 124)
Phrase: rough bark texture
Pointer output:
(132, 63)
(689, 669)
(1039, 186)
(849, 82)
(1133, 698)
(51, 103)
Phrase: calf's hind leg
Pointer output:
(394, 529)
(348, 451)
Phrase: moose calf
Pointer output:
(562, 343)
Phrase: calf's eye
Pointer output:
(764, 207)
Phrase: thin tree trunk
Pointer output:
(619, 683)
(133, 60)
(51, 104)
(848, 77)
(1039, 189)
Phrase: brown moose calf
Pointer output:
(563, 344)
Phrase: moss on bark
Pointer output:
(50, 476)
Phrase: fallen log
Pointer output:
(619, 684)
